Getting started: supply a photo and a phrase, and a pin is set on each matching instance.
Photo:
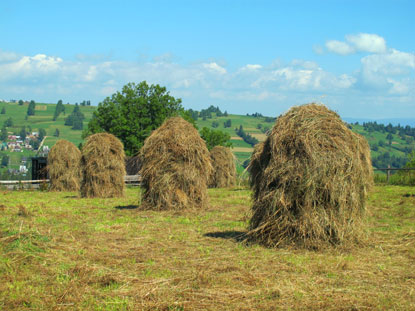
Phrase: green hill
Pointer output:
(385, 151)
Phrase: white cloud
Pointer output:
(366, 42)
(382, 77)
(362, 42)
(214, 67)
(391, 71)
(339, 47)
(251, 67)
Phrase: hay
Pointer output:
(176, 167)
(63, 166)
(310, 179)
(224, 171)
(103, 167)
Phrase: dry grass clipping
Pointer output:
(176, 167)
(103, 167)
(310, 179)
(63, 166)
(224, 170)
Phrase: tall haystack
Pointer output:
(176, 167)
(103, 167)
(310, 179)
(63, 166)
(224, 171)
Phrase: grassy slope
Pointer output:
(242, 150)
(42, 119)
(60, 252)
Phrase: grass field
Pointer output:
(60, 252)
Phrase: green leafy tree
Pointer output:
(58, 110)
(227, 123)
(22, 133)
(21, 102)
(215, 124)
(4, 134)
(4, 161)
(8, 122)
(75, 119)
(3, 110)
(31, 108)
(215, 138)
(411, 160)
(56, 133)
(77, 124)
(134, 113)
(42, 134)
(389, 137)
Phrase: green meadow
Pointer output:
(62, 252)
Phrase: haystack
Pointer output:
(103, 167)
(224, 171)
(63, 166)
(176, 167)
(310, 179)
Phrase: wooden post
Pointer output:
(388, 174)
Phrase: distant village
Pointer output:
(16, 144)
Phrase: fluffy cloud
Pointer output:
(391, 70)
(339, 47)
(365, 42)
(362, 42)
(382, 76)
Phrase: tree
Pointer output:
(215, 138)
(389, 137)
(77, 124)
(227, 123)
(4, 134)
(42, 134)
(31, 108)
(4, 161)
(8, 122)
(21, 102)
(215, 124)
(3, 110)
(75, 119)
(134, 113)
(23, 133)
(56, 133)
(58, 110)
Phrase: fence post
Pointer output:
(388, 174)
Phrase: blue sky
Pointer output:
(357, 57)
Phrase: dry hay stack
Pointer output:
(103, 167)
(176, 167)
(224, 171)
(310, 179)
(63, 166)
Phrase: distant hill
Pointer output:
(393, 121)
(385, 151)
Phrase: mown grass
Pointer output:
(60, 252)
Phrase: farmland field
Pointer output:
(60, 252)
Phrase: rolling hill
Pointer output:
(393, 151)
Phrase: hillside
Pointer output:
(43, 119)
(385, 151)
